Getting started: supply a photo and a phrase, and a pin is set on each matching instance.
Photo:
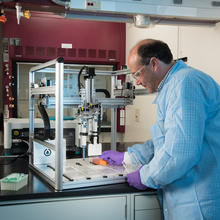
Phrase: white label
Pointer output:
(122, 113)
(5, 57)
(94, 149)
(122, 121)
(67, 46)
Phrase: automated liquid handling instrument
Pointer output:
(47, 156)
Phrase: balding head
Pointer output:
(133, 55)
(155, 57)
(140, 43)
(147, 48)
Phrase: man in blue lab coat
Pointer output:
(183, 157)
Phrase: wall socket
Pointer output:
(93, 4)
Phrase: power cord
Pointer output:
(15, 157)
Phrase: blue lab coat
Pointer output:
(183, 157)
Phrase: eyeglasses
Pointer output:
(136, 75)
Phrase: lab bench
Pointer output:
(38, 200)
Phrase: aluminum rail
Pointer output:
(76, 71)
(76, 101)
(43, 90)
(48, 145)
(58, 91)
(67, 102)
(59, 126)
(47, 64)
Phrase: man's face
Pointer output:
(143, 74)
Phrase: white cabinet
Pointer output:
(108, 208)
(153, 214)
(136, 206)
(146, 207)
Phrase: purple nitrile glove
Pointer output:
(113, 157)
(134, 179)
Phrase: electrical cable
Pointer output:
(105, 91)
(15, 157)
(46, 121)
(80, 72)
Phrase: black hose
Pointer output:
(105, 91)
(46, 121)
(80, 72)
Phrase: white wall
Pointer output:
(201, 44)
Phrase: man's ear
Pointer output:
(154, 63)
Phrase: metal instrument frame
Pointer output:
(59, 102)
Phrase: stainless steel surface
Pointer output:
(83, 173)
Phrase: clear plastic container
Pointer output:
(14, 181)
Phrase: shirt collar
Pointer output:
(165, 77)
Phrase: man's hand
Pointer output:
(113, 157)
(134, 179)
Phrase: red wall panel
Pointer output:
(45, 32)
(41, 36)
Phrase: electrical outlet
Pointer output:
(93, 4)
